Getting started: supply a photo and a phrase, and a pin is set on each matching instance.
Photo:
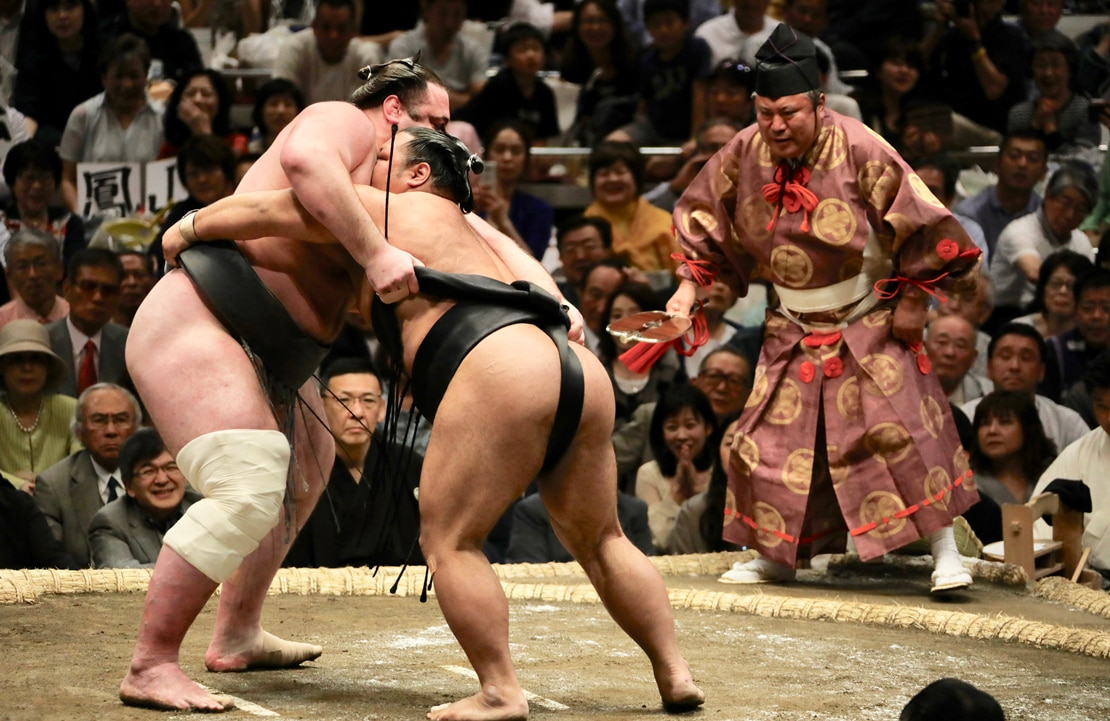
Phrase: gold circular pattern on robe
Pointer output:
(885, 376)
(838, 468)
(922, 191)
(848, 400)
(878, 184)
(876, 319)
(791, 265)
(723, 184)
(766, 516)
(833, 221)
(755, 214)
(878, 505)
(759, 387)
(961, 461)
(797, 471)
(705, 219)
(744, 448)
(935, 481)
(904, 226)
(888, 442)
(932, 416)
(730, 506)
(762, 151)
(879, 137)
(786, 404)
(833, 142)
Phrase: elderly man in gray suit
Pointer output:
(71, 491)
(127, 533)
(91, 345)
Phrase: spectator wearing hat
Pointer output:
(1025, 243)
(34, 421)
(127, 533)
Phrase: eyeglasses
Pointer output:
(90, 287)
(367, 400)
(715, 378)
(1061, 284)
(150, 472)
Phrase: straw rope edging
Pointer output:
(29, 585)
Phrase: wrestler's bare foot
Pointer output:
(677, 689)
(489, 704)
(262, 650)
(166, 687)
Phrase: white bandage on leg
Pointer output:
(242, 476)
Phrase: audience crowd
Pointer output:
(1023, 359)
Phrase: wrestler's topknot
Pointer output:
(450, 161)
(405, 77)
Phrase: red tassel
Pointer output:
(642, 356)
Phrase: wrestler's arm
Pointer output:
(524, 267)
(327, 142)
(246, 216)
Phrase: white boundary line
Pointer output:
(242, 704)
(532, 698)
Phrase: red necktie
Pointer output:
(86, 376)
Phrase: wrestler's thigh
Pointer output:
(580, 493)
(192, 376)
(490, 434)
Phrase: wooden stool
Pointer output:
(1064, 554)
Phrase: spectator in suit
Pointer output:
(70, 492)
(25, 537)
(127, 533)
(33, 265)
(34, 420)
(87, 341)
(368, 514)
(324, 60)
(533, 540)
(138, 279)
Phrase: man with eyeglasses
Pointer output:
(71, 491)
(361, 519)
(33, 264)
(127, 533)
(582, 241)
(87, 341)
